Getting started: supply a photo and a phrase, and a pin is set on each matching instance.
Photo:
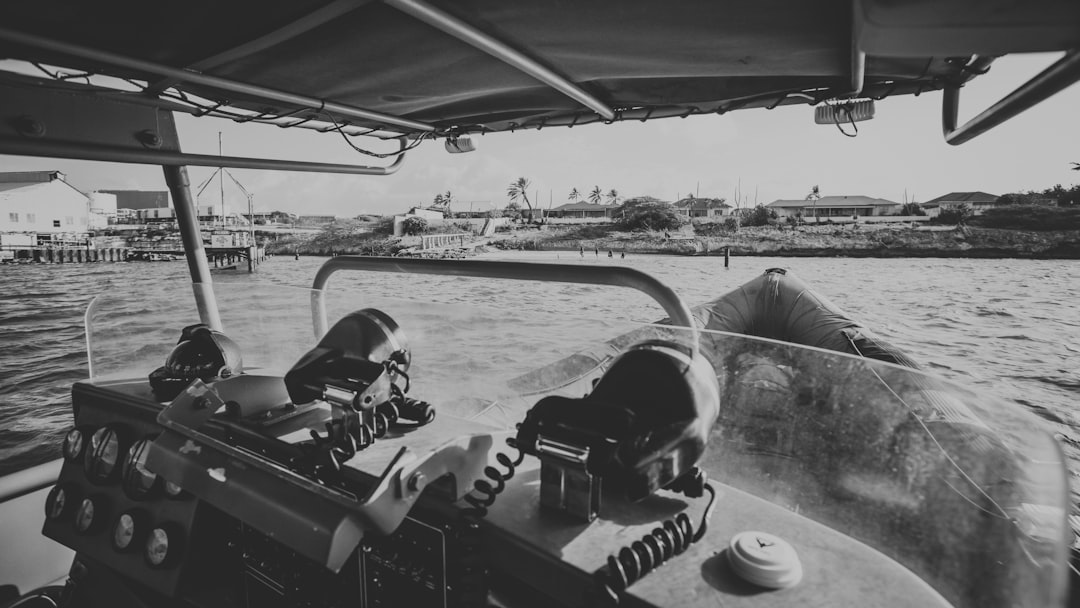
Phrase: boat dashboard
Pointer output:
(641, 465)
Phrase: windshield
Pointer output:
(962, 489)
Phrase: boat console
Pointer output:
(638, 471)
(157, 542)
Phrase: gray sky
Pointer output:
(773, 154)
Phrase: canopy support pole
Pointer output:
(187, 218)
(1054, 79)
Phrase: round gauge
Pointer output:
(174, 491)
(61, 502)
(102, 455)
(139, 482)
(74, 443)
(90, 515)
(128, 528)
(162, 546)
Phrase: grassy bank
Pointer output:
(353, 237)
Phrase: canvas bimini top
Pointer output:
(442, 68)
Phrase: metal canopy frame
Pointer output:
(170, 76)
(501, 51)
(54, 123)
(107, 58)
(304, 24)
(1054, 79)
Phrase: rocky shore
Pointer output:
(801, 241)
(811, 241)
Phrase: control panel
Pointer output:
(110, 508)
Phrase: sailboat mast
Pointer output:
(221, 181)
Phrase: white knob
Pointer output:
(764, 560)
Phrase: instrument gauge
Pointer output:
(91, 514)
(128, 529)
(61, 502)
(162, 546)
(74, 443)
(102, 459)
(139, 482)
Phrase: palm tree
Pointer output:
(574, 194)
(1076, 166)
(596, 196)
(518, 189)
(447, 198)
(613, 196)
(814, 195)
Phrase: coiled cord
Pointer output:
(401, 408)
(384, 417)
(472, 582)
(671, 538)
(484, 492)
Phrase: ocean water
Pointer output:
(1010, 328)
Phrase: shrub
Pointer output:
(759, 216)
(383, 225)
(912, 208)
(650, 216)
(1030, 217)
(414, 225)
(955, 215)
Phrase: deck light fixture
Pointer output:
(459, 144)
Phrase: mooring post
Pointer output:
(727, 256)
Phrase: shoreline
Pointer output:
(962, 242)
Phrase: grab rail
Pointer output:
(616, 276)
(26, 481)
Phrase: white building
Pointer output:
(702, 207)
(835, 206)
(42, 202)
(978, 202)
(432, 217)
(102, 209)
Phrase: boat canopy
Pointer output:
(425, 68)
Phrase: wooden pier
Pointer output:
(217, 256)
(65, 255)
